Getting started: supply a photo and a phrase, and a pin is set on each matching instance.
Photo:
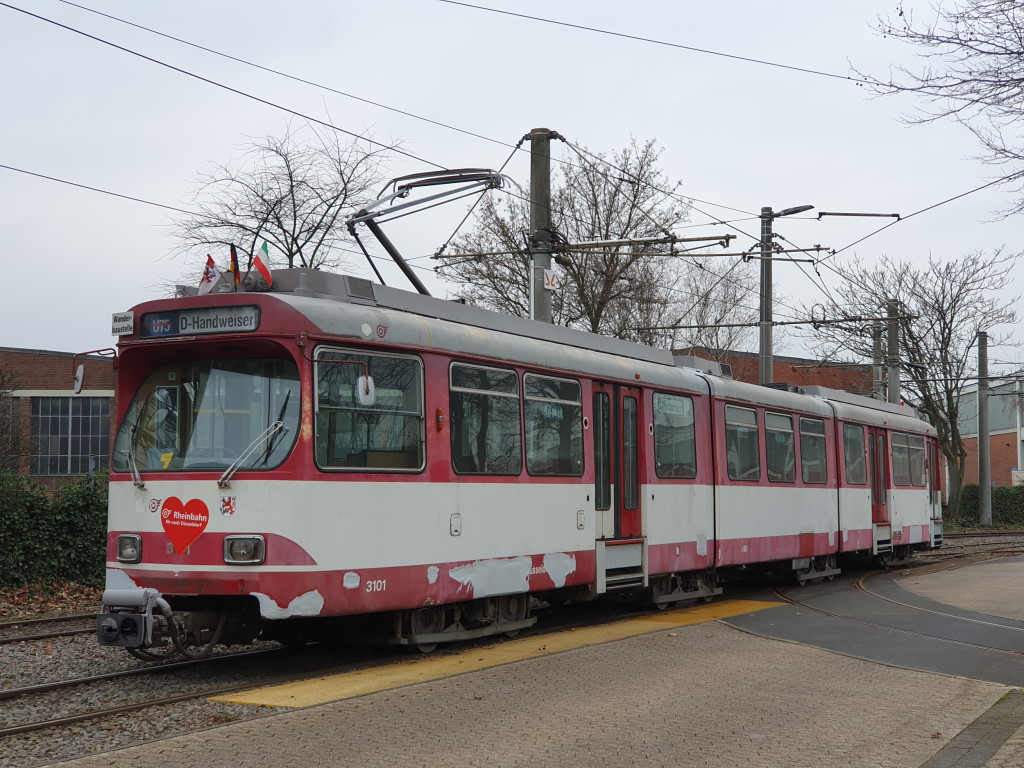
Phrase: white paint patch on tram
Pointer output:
(485, 578)
(432, 574)
(116, 578)
(309, 604)
(559, 565)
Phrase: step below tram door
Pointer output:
(618, 445)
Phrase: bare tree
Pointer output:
(942, 308)
(974, 74)
(724, 308)
(620, 291)
(292, 191)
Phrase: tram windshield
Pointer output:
(205, 414)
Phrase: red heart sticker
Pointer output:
(183, 522)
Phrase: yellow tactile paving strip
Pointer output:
(361, 682)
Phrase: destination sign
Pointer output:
(192, 322)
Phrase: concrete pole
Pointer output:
(877, 385)
(984, 463)
(765, 358)
(540, 223)
(893, 353)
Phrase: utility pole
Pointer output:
(877, 387)
(766, 361)
(540, 223)
(893, 352)
(984, 463)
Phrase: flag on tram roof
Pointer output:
(234, 266)
(262, 263)
(209, 276)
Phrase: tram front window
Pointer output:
(205, 414)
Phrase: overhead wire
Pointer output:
(580, 152)
(280, 73)
(393, 148)
(653, 41)
(287, 109)
(93, 189)
(215, 83)
(345, 94)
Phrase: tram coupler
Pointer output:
(128, 620)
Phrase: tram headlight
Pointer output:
(129, 548)
(244, 550)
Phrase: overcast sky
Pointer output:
(739, 135)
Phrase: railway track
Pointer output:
(859, 584)
(238, 670)
(984, 534)
(204, 691)
(46, 628)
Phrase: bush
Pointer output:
(58, 536)
(1007, 506)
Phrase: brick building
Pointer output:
(1005, 427)
(48, 431)
(850, 377)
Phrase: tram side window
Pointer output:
(917, 464)
(554, 426)
(812, 451)
(900, 459)
(675, 444)
(780, 448)
(853, 453)
(385, 435)
(743, 458)
(486, 434)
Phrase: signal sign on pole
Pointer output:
(550, 279)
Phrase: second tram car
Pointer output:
(334, 456)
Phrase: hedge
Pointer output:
(1007, 506)
(50, 536)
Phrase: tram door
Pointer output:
(879, 484)
(617, 442)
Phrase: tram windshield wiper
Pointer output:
(267, 434)
(133, 466)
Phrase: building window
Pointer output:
(742, 450)
(71, 435)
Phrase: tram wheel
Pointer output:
(426, 621)
(513, 608)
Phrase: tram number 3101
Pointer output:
(377, 585)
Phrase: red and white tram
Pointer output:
(338, 456)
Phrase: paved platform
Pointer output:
(699, 694)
